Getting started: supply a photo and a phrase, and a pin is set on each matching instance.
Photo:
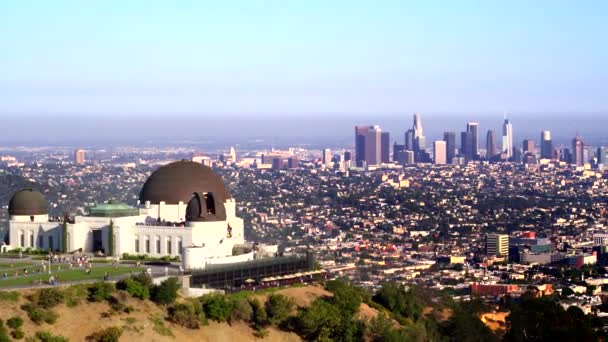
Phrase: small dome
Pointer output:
(178, 181)
(28, 202)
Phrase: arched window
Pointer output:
(210, 203)
(168, 251)
(147, 241)
(180, 246)
(21, 238)
(32, 240)
(158, 245)
(136, 243)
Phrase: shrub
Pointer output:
(39, 315)
(184, 314)
(166, 292)
(75, 294)
(241, 310)
(17, 334)
(3, 333)
(134, 288)
(279, 308)
(111, 334)
(49, 298)
(14, 322)
(9, 296)
(45, 336)
(260, 317)
(217, 307)
(101, 291)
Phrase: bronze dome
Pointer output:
(28, 202)
(178, 181)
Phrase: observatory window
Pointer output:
(158, 245)
(147, 244)
(51, 243)
(32, 240)
(179, 245)
(210, 203)
(169, 245)
(21, 239)
(136, 244)
(40, 242)
(32, 218)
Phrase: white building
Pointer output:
(184, 210)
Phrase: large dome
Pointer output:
(28, 202)
(179, 181)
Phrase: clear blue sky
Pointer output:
(128, 56)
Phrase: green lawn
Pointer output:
(67, 275)
(15, 265)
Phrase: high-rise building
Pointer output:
(546, 145)
(232, 155)
(450, 145)
(507, 139)
(409, 140)
(385, 156)
(490, 145)
(466, 146)
(578, 148)
(368, 145)
(293, 162)
(79, 156)
(529, 146)
(602, 155)
(277, 163)
(399, 154)
(497, 244)
(439, 152)
(326, 156)
(419, 138)
(473, 128)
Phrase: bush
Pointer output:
(186, 315)
(111, 334)
(3, 333)
(39, 315)
(166, 292)
(9, 296)
(260, 317)
(49, 298)
(100, 291)
(75, 294)
(45, 336)
(217, 307)
(279, 308)
(241, 310)
(14, 322)
(17, 334)
(346, 297)
(134, 288)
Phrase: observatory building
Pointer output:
(184, 209)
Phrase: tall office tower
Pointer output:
(466, 145)
(440, 153)
(399, 154)
(277, 163)
(326, 156)
(497, 244)
(292, 162)
(368, 145)
(232, 155)
(409, 140)
(473, 128)
(385, 156)
(450, 145)
(566, 156)
(602, 155)
(409, 157)
(419, 138)
(490, 145)
(507, 139)
(529, 146)
(546, 146)
(577, 151)
(79, 156)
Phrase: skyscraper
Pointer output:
(385, 156)
(507, 139)
(439, 150)
(466, 145)
(546, 145)
(490, 145)
(497, 244)
(450, 142)
(473, 128)
(79, 156)
(419, 138)
(368, 145)
(578, 151)
(409, 140)
(602, 155)
(529, 146)
(326, 156)
(232, 155)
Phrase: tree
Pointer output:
(347, 298)
(399, 300)
(217, 307)
(166, 292)
(279, 308)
